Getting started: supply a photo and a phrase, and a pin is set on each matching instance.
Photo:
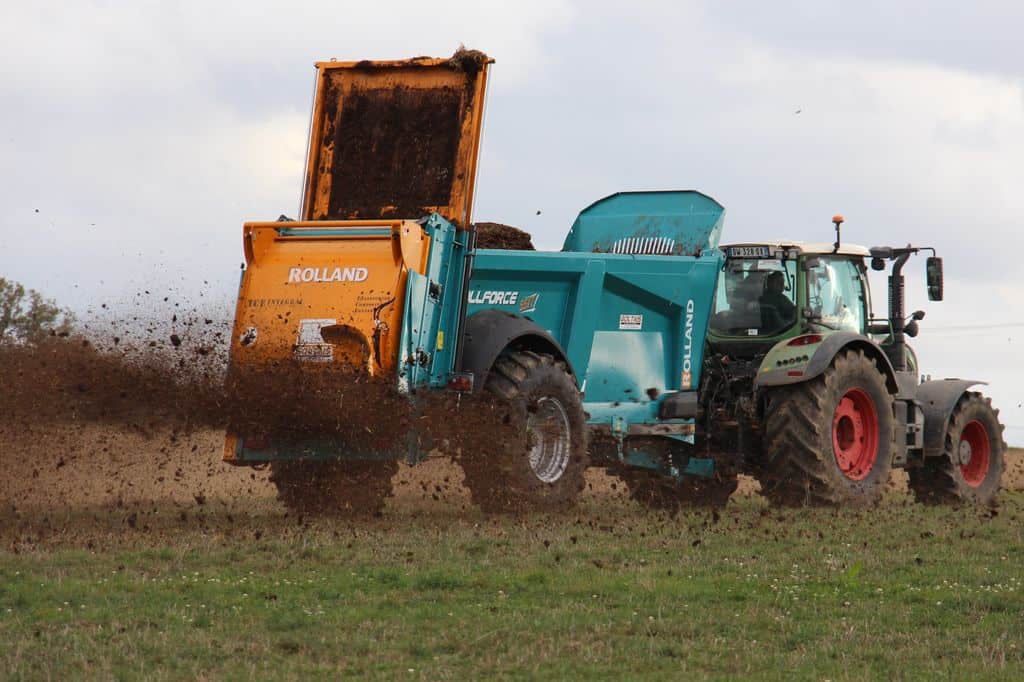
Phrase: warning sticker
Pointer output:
(310, 346)
(631, 322)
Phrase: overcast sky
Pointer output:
(137, 136)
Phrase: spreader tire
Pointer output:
(971, 466)
(341, 488)
(829, 441)
(542, 465)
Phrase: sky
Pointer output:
(136, 137)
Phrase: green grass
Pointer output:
(902, 591)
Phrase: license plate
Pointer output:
(749, 252)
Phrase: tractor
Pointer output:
(805, 390)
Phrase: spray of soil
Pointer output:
(112, 425)
(97, 430)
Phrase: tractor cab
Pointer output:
(772, 291)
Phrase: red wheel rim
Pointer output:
(975, 453)
(855, 434)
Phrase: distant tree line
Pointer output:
(27, 317)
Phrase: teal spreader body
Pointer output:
(628, 298)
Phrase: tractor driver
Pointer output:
(777, 310)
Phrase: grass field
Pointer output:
(440, 592)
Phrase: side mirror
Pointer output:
(918, 315)
(933, 267)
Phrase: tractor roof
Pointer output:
(807, 247)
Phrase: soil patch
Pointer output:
(394, 151)
(498, 236)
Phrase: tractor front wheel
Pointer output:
(336, 488)
(829, 441)
(970, 468)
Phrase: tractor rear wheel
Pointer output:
(829, 441)
(657, 491)
(971, 466)
(541, 462)
(338, 488)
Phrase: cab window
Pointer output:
(755, 297)
(835, 293)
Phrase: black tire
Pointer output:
(948, 479)
(657, 491)
(530, 388)
(340, 488)
(804, 436)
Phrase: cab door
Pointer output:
(836, 293)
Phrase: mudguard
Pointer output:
(788, 364)
(938, 399)
(489, 332)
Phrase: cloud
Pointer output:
(146, 133)
(144, 49)
(980, 37)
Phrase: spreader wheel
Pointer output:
(829, 441)
(541, 463)
(338, 488)
(971, 466)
